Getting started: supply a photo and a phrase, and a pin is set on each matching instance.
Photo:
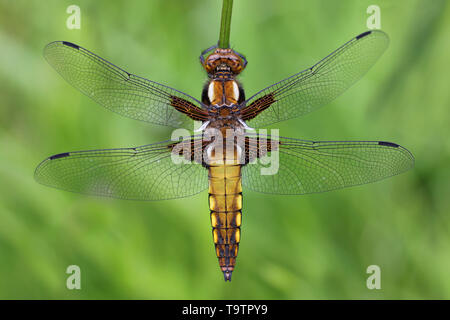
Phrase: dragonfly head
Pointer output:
(224, 60)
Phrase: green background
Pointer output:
(293, 247)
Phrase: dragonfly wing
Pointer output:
(316, 86)
(142, 173)
(121, 91)
(301, 166)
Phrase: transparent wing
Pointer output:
(314, 87)
(143, 173)
(120, 91)
(301, 166)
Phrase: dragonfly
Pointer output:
(226, 153)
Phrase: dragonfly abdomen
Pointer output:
(225, 204)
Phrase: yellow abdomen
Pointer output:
(225, 204)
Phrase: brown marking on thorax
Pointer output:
(257, 106)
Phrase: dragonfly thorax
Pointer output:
(221, 124)
(222, 95)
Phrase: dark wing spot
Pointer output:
(70, 44)
(59, 155)
(362, 35)
(388, 144)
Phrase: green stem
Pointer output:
(224, 37)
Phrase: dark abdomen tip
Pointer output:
(227, 275)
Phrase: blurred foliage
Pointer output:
(293, 247)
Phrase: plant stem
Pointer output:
(224, 37)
